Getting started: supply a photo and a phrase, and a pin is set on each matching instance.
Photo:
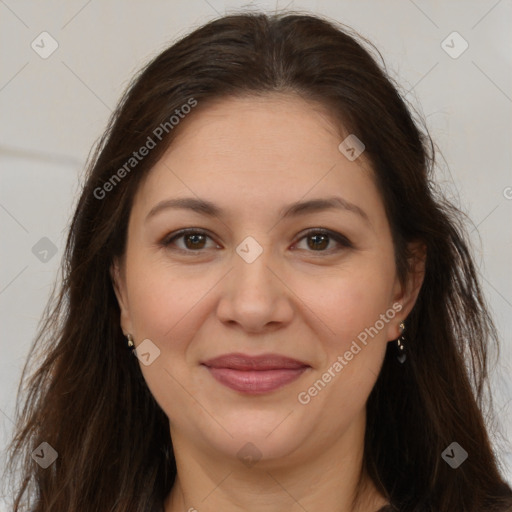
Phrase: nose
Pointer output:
(255, 297)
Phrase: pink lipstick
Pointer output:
(255, 374)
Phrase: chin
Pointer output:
(266, 440)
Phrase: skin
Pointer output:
(252, 157)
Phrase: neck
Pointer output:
(331, 480)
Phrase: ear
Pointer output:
(407, 293)
(118, 282)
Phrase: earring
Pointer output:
(400, 344)
(131, 345)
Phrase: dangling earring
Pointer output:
(131, 345)
(400, 344)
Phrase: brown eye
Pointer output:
(319, 240)
(193, 241)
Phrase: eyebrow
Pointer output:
(210, 209)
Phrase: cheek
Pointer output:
(354, 348)
(352, 302)
(345, 302)
(164, 307)
(161, 296)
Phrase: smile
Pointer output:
(255, 374)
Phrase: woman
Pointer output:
(259, 228)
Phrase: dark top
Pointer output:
(385, 508)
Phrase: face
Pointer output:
(255, 276)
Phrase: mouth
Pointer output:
(255, 374)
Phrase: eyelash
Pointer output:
(337, 237)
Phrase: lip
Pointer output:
(255, 374)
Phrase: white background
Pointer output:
(54, 109)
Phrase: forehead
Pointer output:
(257, 151)
(273, 126)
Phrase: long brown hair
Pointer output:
(86, 396)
